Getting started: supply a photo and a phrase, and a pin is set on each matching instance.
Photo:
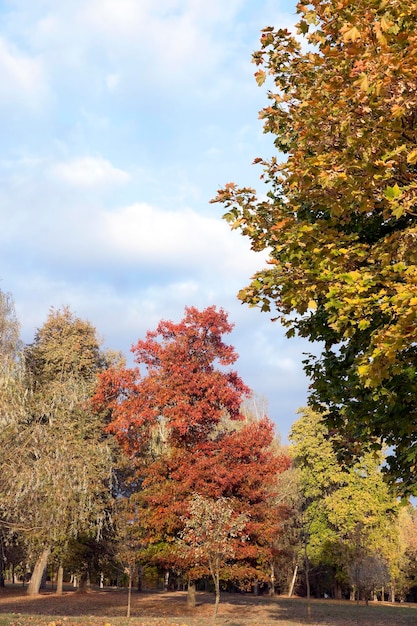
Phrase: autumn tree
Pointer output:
(174, 415)
(57, 471)
(350, 517)
(210, 535)
(12, 394)
(339, 219)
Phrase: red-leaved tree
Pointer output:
(177, 416)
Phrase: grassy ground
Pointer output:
(108, 608)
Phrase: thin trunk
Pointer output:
(294, 578)
(215, 573)
(60, 580)
(36, 578)
(129, 594)
(307, 571)
(140, 576)
(272, 589)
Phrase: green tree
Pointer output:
(350, 516)
(339, 220)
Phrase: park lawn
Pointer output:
(108, 608)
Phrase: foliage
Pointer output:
(339, 220)
(210, 535)
(57, 471)
(350, 515)
(175, 415)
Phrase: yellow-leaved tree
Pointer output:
(339, 220)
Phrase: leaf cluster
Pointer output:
(339, 220)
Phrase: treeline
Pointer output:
(168, 473)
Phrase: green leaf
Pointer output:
(392, 193)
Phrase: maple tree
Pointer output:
(339, 218)
(177, 416)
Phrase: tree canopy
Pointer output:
(339, 218)
(57, 471)
(349, 517)
(177, 415)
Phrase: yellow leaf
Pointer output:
(260, 77)
(397, 110)
(363, 84)
(386, 25)
(312, 304)
(412, 157)
(363, 370)
(351, 35)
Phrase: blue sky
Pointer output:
(119, 121)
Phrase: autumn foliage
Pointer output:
(339, 220)
(177, 415)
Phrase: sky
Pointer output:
(119, 121)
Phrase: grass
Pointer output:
(107, 608)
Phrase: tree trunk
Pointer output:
(217, 600)
(140, 577)
(215, 572)
(129, 594)
(392, 592)
(272, 588)
(82, 586)
(191, 594)
(2, 564)
(291, 591)
(60, 580)
(36, 578)
(307, 573)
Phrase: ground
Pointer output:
(108, 608)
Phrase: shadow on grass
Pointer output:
(166, 609)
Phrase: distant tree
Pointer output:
(404, 575)
(367, 572)
(339, 503)
(177, 416)
(339, 220)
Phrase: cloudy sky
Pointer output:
(119, 120)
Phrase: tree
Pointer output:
(12, 394)
(350, 516)
(57, 472)
(339, 220)
(177, 416)
(210, 535)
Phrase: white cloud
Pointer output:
(22, 78)
(88, 172)
(174, 238)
